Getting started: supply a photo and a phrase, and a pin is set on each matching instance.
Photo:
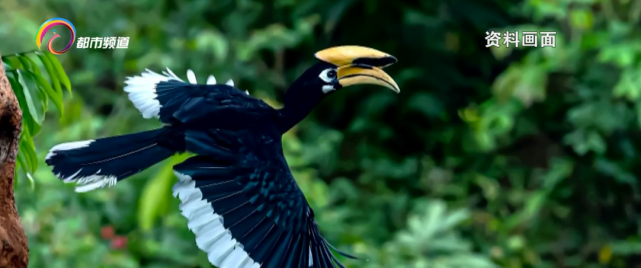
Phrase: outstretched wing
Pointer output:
(169, 98)
(244, 206)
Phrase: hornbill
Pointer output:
(237, 193)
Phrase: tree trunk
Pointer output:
(14, 251)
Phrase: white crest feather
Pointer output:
(191, 77)
(211, 80)
(171, 74)
(230, 83)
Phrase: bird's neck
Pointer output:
(292, 114)
(299, 103)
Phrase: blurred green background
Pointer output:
(487, 158)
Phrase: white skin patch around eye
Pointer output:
(328, 88)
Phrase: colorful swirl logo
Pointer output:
(44, 28)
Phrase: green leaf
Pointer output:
(455, 218)
(18, 89)
(62, 76)
(44, 100)
(43, 85)
(29, 64)
(581, 19)
(629, 84)
(464, 261)
(596, 142)
(610, 168)
(53, 76)
(214, 41)
(626, 248)
(620, 53)
(27, 146)
(34, 122)
(32, 182)
(638, 112)
(22, 164)
(12, 61)
(33, 157)
(501, 52)
(533, 206)
(28, 149)
(560, 169)
(583, 141)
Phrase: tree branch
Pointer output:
(14, 251)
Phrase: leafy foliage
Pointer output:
(34, 92)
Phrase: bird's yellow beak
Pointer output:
(360, 65)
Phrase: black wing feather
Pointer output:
(194, 104)
(256, 197)
(238, 194)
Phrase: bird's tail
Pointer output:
(100, 163)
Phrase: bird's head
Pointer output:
(338, 67)
(345, 66)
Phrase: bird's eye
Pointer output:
(328, 75)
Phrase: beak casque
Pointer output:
(360, 65)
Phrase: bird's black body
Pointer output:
(238, 193)
(242, 173)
